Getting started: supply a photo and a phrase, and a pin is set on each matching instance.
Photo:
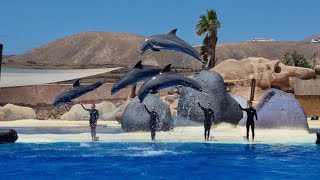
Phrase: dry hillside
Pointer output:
(90, 49)
(269, 50)
(96, 49)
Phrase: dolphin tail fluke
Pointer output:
(144, 47)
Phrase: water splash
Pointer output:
(84, 144)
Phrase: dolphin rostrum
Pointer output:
(169, 41)
(138, 73)
(76, 91)
(166, 79)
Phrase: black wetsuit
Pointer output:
(153, 122)
(208, 118)
(251, 112)
(94, 116)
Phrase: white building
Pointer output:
(261, 40)
(315, 40)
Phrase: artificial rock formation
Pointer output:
(317, 69)
(106, 112)
(3, 112)
(278, 109)
(14, 112)
(268, 73)
(224, 106)
(112, 115)
(136, 118)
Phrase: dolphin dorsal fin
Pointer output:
(138, 65)
(77, 83)
(167, 68)
(172, 32)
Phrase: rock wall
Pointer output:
(45, 94)
(106, 112)
(268, 73)
(310, 104)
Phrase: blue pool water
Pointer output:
(158, 160)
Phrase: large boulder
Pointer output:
(112, 115)
(105, 108)
(242, 101)
(226, 109)
(3, 113)
(278, 109)
(14, 112)
(268, 73)
(136, 118)
(317, 69)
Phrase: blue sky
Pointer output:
(27, 24)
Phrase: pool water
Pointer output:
(158, 160)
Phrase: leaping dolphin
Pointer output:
(76, 91)
(169, 41)
(138, 73)
(166, 79)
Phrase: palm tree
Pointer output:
(209, 25)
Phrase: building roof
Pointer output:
(307, 87)
(11, 77)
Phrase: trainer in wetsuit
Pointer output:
(153, 121)
(251, 112)
(94, 116)
(208, 119)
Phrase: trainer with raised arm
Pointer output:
(208, 119)
(94, 116)
(251, 112)
(153, 121)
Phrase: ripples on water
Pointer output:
(156, 160)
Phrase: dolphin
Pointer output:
(76, 91)
(166, 79)
(169, 41)
(138, 73)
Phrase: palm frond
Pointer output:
(212, 15)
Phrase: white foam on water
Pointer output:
(84, 144)
(151, 153)
(140, 148)
(89, 155)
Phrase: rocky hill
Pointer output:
(269, 50)
(91, 49)
(96, 49)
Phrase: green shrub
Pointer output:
(296, 59)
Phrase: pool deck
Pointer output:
(38, 131)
